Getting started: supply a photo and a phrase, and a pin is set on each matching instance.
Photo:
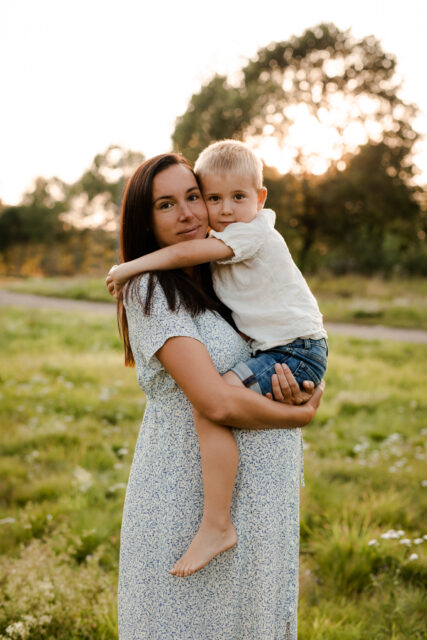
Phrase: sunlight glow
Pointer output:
(312, 142)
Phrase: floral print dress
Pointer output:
(249, 592)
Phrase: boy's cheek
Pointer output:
(211, 217)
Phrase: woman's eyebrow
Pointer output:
(170, 197)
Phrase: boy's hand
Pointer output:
(113, 283)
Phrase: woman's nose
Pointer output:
(185, 211)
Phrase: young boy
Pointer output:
(254, 275)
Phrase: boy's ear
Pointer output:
(262, 197)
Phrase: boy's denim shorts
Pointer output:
(306, 358)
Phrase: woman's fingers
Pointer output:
(286, 389)
(308, 386)
(317, 395)
(308, 392)
(294, 393)
(280, 387)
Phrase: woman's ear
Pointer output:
(262, 197)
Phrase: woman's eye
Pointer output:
(165, 205)
(194, 197)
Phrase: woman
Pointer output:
(176, 332)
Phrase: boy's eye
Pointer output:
(239, 196)
(213, 198)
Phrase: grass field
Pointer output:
(356, 299)
(70, 413)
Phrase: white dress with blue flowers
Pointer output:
(249, 592)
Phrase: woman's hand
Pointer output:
(286, 389)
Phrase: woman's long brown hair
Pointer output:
(137, 239)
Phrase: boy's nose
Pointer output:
(226, 207)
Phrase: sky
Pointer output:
(79, 75)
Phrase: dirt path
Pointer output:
(11, 299)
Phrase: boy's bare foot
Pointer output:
(206, 544)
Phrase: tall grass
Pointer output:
(70, 413)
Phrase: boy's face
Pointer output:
(231, 197)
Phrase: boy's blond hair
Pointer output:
(229, 155)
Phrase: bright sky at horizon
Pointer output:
(79, 76)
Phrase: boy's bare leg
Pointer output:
(219, 456)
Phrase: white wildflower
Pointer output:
(401, 462)
(393, 437)
(82, 478)
(391, 534)
(361, 446)
(105, 394)
(405, 541)
(46, 587)
(418, 541)
(7, 521)
(373, 543)
(413, 556)
(122, 451)
(17, 630)
(116, 487)
(424, 483)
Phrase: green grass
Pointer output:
(70, 414)
(77, 288)
(356, 299)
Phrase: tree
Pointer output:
(37, 218)
(325, 76)
(48, 232)
(95, 198)
(345, 92)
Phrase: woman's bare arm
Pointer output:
(188, 362)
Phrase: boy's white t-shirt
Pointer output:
(261, 284)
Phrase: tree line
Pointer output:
(363, 213)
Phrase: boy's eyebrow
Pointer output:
(170, 197)
(211, 193)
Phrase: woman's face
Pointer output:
(179, 211)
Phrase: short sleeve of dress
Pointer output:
(148, 333)
(244, 238)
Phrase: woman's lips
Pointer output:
(189, 232)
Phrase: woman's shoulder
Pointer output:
(141, 289)
(144, 299)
